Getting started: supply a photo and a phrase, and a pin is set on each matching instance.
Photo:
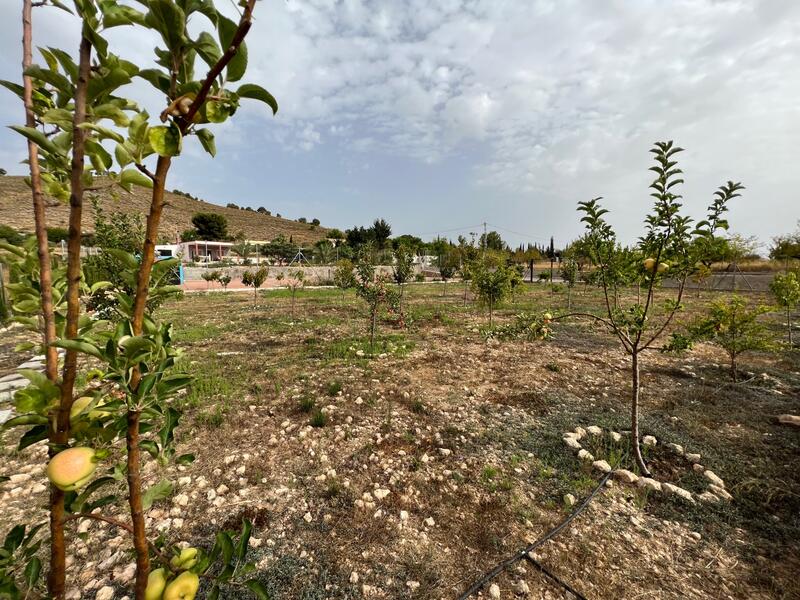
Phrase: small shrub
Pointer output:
(334, 387)
(306, 404)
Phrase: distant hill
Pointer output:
(16, 211)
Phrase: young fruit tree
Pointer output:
(569, 275)
(255, 279)
(735, 327)
(448, 266)
(669, 248)
(786, 289)
(224, 280)
(295, 282)
(96, 426)
(375, 291)
(343, 276)
(403, 267)
(494, 284)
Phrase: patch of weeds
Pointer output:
(212, 418)
(334, 387)
(418, 407)
(306, 404)
(555, 368)
(489, 472)
(318, 419)
(334, 489)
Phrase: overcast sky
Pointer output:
(438, 116)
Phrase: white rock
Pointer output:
(494, 591)
(307, 517)
(105, 593)
(430, 522)
(720, 491)
(625, 476)
(708, 497)
(404, 515)
(713, 478)
(572, 443)
(181, 500)
(649, 484)
(649, 440)
(521, 588)
(354, 578)
(674, 490)
(594, 430)
(602, 466)
(412, 585)
(793, 420)
(693, 458)
(616, 437)
(444, 451)
(676, 448)
(569, 500)
(381, 493)
(584, 454)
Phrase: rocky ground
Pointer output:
(411, 473)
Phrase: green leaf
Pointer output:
(256, 92)
(113, 112)
(122, 155)
(165, 140)
(32, 571)
(225, 543)
(135, 177)
(166, 17)
(156, 78)
(100, 158)
(67, 64)
(158, 491)
(14, 88)
(38, 138)
(103, 132)
(79, 346)
(238, 64)
(58, 116)
(54, 78)
(107, 83)
(207, 48)
(185, 459)
(217, 112)
(115, 15)
(32, 436)
(26, 420)
(207, 140)
(244, 540)
(255, 586)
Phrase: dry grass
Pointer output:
(17, 212)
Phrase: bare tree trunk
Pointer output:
(635, 447)
(490, 313)
(60, 435)
(734, 369)
(569, 298)
(372, 328)
(789, 324)
(40, 224)
(136, 507)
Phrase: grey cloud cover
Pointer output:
(438, 115)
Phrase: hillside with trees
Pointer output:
(16, 212)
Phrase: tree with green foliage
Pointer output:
(735, 327)
(492, 241)
(568, 270)
(79, 106)
(375, 291)
(209, 226)
(449, 263)
(786, 247)
(403, 267)
(343, 276)
(224, 280)
(255, 279)
(209, 276)
(669, 245)
(786, 289)
(380, 232)
(493, 285)
(11, 235)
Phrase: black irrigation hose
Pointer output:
(530, 548)
(554, 577)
